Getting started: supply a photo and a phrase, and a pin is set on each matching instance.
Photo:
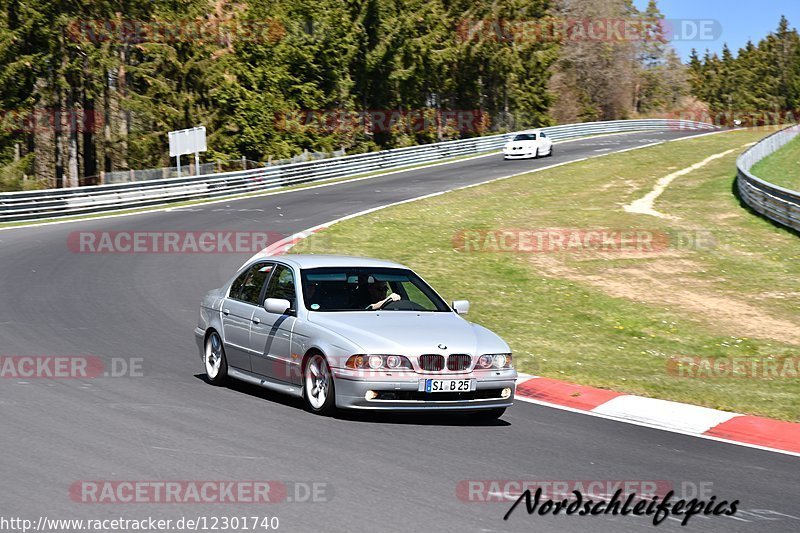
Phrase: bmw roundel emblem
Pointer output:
(442, 347)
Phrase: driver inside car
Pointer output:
(377, 293)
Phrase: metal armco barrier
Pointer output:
(52, 203)
(776, 203)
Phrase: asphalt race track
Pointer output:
(383, 473)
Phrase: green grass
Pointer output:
(783, 167)
(613, 320)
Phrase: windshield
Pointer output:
(367, 289)
(525, 137)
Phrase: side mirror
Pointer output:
(278, 306)
(461, 307)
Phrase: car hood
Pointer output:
(410, 333)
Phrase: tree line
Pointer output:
(759, 84)
(95, 85)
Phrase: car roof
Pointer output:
(321, 260)
(539, 130)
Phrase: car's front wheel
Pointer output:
(215, 361)
(318, 389)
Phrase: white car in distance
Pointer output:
(528, 144)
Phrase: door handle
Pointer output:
(256, 320)
(226, 312)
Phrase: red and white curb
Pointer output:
(745, 430)
(284, 245)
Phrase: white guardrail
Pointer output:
(776, 203)
(52, 203)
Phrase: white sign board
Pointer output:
(188, 141)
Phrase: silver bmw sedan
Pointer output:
(351, 332)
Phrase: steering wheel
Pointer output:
(402, 305)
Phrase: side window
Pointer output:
(282, 285)
(248, 285)
(236, 286)
(543, 136)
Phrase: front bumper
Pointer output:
(402, 392)
(518, 154)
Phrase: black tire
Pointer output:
(536, 154)
(328, 405)
(488, 415)
(213, 349)
(551, 152)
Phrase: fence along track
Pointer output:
(776, 203)
(54, 203)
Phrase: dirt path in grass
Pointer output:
(661, 283)
(644, 205)
(669, 281)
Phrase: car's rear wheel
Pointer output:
(215, 361)
(536, 154)
(490, 414)
(318, 389)
(551, 152)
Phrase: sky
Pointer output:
(721, 21)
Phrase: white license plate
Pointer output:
(447, 385)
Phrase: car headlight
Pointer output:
(378, 362)
(485, 361)
(496, 360)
